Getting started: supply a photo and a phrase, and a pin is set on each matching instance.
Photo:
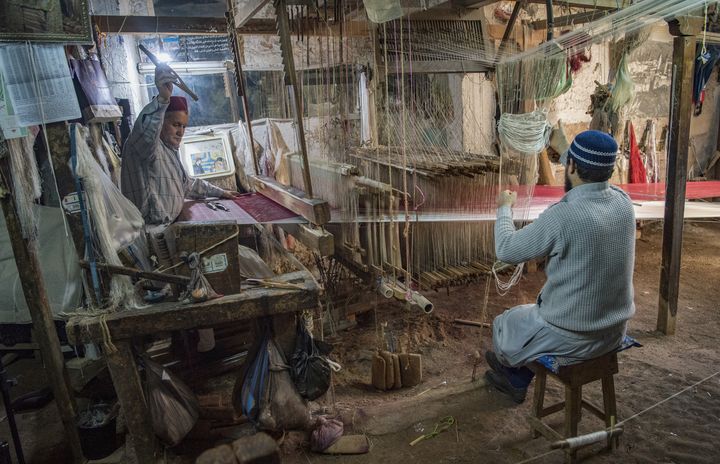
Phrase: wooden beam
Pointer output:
(570, 20)
(125, 378)
(684, 48)
(178, 25)
(442, 66)
(138, 274)
(597, 4)
(509, 28)
(246, 9)
(318, 240)
(473, 3)
(293, 91)
(252, 303)
(314, 210)
(25, 250)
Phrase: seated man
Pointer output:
(152, 175)
(588, 238)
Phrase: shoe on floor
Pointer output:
(493, 362)
(501, 383)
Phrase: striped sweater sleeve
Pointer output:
(536, 240)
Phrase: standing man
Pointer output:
(588, 239)
(153, 177)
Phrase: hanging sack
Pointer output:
(310, 369)
(174, 409)
(251, 383)
(282, 407)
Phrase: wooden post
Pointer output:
(58, 137)
(286, 50)
(685, 31)
(126, 381)
(25, 251)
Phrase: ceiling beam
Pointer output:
(246, 9)
(171, 25)
(178, 25)
(597, 4)
(570, 20)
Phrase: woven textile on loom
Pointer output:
(251, 208)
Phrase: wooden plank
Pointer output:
(288, 60)
(544, 429)
(597, 4)
(545, 172)
(125, 378)
(246, 9)
(440, 66)
(318, 240)
(25, 251)
(684, 47)
(216, 25)
(570, 20)
(58, 137)
(314, 210)
(138, 274)
(251, 303)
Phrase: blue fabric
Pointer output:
(592, 150)
(553, 363)
(704, 64)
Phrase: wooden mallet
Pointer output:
(179, 82)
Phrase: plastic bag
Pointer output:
(282, 407)
(199, 289)
(174, 409)
(116, 222)
(250, 386)
(311, 371)
(326, 433)
(381, 11)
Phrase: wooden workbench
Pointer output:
(124, 326)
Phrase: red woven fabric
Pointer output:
(638, 175)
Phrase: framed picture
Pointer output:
(207, 156)
(66, 21)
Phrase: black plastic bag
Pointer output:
(310, 370)
(174, 408)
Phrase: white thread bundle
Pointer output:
(584, 440)
(526, 133)
(116, 222)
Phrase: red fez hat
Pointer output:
(177, 104)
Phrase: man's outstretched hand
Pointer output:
(506, 198)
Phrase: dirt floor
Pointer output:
(490, 428)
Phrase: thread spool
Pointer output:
(385, 290)
(419, 301)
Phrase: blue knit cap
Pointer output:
(592, 150)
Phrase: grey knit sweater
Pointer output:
(588, 238)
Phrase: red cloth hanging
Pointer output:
(638, 175)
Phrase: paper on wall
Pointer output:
(9, 123)
(38, 83)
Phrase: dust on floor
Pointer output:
(489, 427)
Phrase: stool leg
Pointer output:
(573, 400)
(539, 398)
(609, 405)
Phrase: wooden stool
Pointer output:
(573, 378)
